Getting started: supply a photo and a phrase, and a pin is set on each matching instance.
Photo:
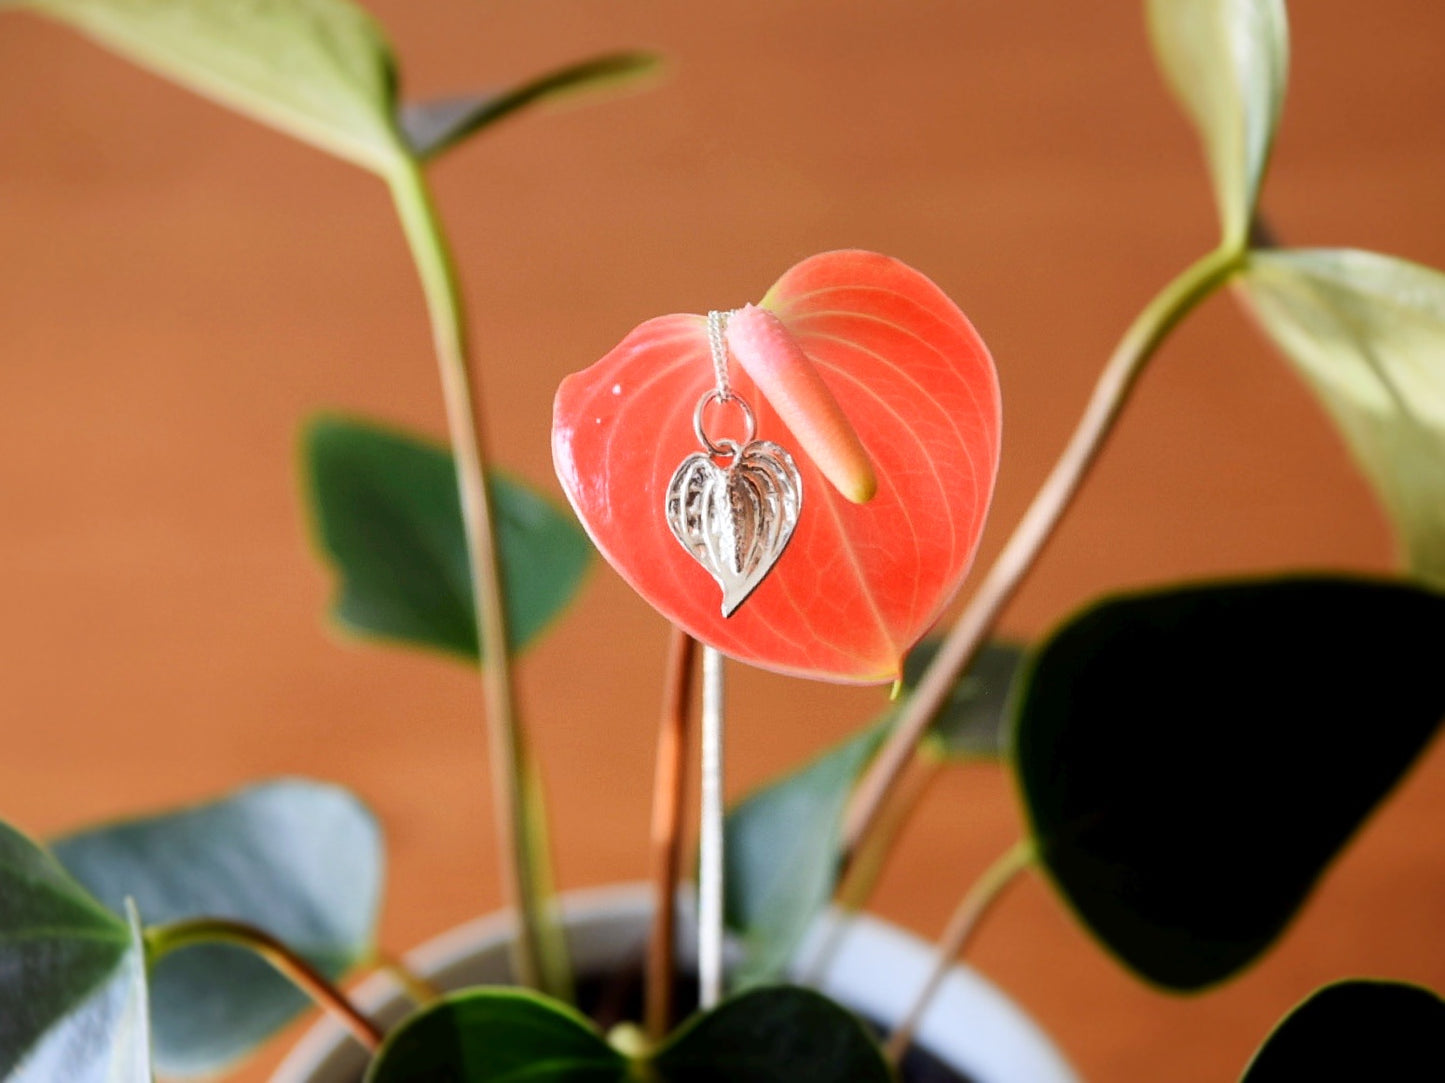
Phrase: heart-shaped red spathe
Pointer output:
(858, 584)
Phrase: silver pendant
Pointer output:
(736, 519)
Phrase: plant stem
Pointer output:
(710, 836)
(1033, 532)
(161, 940)
(668, 793)
(417, 989)
(986, 891)
(536, 961)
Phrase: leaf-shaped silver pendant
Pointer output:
(736, 520)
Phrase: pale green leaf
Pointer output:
(1227, 61)
(1368, 334)
(320, 70)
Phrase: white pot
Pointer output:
(875, 969)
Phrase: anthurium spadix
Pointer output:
(873, 385)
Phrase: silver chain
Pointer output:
(717, 325)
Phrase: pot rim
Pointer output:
(1000, 1043)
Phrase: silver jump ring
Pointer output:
(725, 448)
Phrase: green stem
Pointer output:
(161, 940)
(1033, 532)
(537, 961)
(976, 904)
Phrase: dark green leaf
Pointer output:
(781, 849)
(320, 70)
(970, 726)
(301, 860)
(432, 127)
(1368, 334)
(774, 1035)
(72, 977)
(1356, 1030)
(389, 518)
(1192, 760)
(1227, 61)
(493, 1035)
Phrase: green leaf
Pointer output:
(72, 977)
(388, 516)
(320, 70)
(301, 860)
(781, 841)
(1356, 1030)
(781, 850)
(1227, 61)
(775, 1035)
(1367, 332)
(494, 1035)
(436, 126)
(971, 724)
(1192, 760)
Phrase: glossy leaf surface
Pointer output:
(1227, 61)
(774, 1035)
(495, 1035)
(1192, 760)
(320, 70)
(782, 856)
(388, 517)
(1356, 1030)
(435, 126)
(858, 584)
(1367, 332)
(72, 977)
(301, 860)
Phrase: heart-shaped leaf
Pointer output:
(859, 583)
(387, 515)
(1367, 332)
(1227, 61)
(494, 1035)
(301, 860)
(1356, 1030)
(72, 977)
(320, 70)
(782, 856)
(435, 126)
(780, 1034)
(1192, 760)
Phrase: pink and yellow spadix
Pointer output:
(874, 379)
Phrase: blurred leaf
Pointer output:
(1227, 61)
(782, 840)
(494, 1035)
(1356, 1030)
(301, 860)
(971, 724)
(776, 1035)
(434, 126)
(1192, 760)
(72, 977)
(389, 518)
(1368, 334)
(781, 849)
(320, 70)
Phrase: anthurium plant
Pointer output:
(799, 483)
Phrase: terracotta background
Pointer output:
(180, 287)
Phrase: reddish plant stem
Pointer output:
(961, 927)
(161, 940)
(1031, 535)
(668, 794)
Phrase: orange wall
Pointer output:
(180, 287)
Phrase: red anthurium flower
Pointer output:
(888, 403)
